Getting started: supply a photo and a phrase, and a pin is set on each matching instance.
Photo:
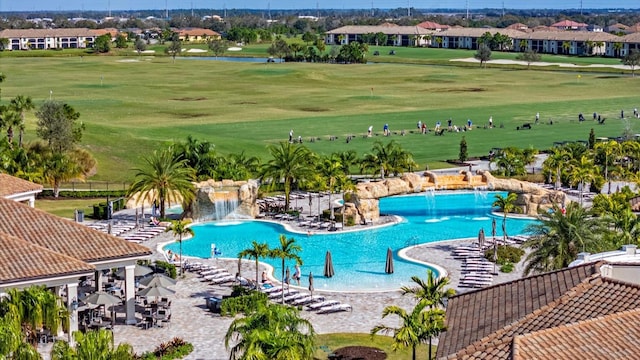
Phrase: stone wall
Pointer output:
(209, 192)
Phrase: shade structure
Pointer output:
(388, 268)
(481, 238)
(156, 291)
(328, 265)
(311, 283)
(139, 270)
(157, 280)
(102, 298)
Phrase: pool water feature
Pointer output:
(359, 256)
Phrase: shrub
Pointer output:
(507, 268)
(85, 194)
(243, 304)
(506, 254)
(176, 348)
(169, 269)
(351, 221)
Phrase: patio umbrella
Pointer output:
(388, 268)
(311, 283)
(481, 239)
(106, 299)
(493, 227)
(157, 280)
(328, 265)
(139, 270)
(156, 291)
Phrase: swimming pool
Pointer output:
(359, 257)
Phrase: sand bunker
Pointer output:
(128, 60)
(234, 48)
(195, 51)
(148, 51)
(542, 63)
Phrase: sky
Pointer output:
(34, 5)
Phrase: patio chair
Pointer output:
(335, 308)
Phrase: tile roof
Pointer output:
(11, 185)
(615, 336)
(22, 261)
(474, 315)
(388, 30)
(596, 296)
(64, 236)
(196, 32)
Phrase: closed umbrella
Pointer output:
(139, 270)
(328, 266)
(287, 278)
(157, 280)
(156, 291)
(481, 239)
(388, 268)
(311, 284)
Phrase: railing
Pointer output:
(92, 186)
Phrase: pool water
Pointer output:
(359, 257)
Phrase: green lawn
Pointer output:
(134, 105)
(66, 207)
(330, 342)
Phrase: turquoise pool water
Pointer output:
(359, 257)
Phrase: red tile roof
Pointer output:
(11, 185)
(615, 336)
(432, 25)
(196, 32)
(568, 24)
(22, 261)
(474, 315)
(594, 297)
(64, 236)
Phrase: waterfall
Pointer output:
(225, 208)
(430, 199)
(480, 193)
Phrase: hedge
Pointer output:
(243, 304)
(85, 194)
(506, 254)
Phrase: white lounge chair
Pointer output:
(224, 279)
(308, 300)
(335, 308)
(319, 305)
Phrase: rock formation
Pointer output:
(364, 204)
(211, 196)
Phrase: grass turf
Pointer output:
(327, 343)
(134, 105)
(66, 207)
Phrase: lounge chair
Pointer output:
(322, 304)
(272, 290)
(212, 272)
(215, 277)
(335, 308)
(224, 279)
(293, 297)
(308, 300)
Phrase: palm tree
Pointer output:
(329, 169)
(289, 163)
(8, 119)
(582, 172)
(288, 250)
(166, 179)
(179, 228)
(432, 292)
(256, 252)
(31, 310)
(21, 104)
(60, 167)
(199, 155)
(506, 204)
(97, 344)
(558, 238)
(554, 164)
(611, 151)
(2, 78)
(416, 327)
(274, 332)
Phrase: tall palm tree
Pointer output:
(582, 172)
(416, 326)
(97, 344)
(611, 151)
(289, 163)
(432, 292)
(165, 178)
(256, 252)
(199, 155)
(555, 163)
(21, 104)
(274, 332)
(558, 238)
(330, 169)
(288, 250)
(179, 228)
(506, 204)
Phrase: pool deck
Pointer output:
(205, 330)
